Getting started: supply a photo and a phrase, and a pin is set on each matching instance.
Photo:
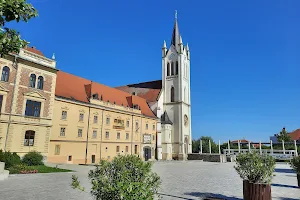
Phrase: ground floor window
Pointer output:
(69, 158)
(57, 149)
(136, 149)
(29, 138)
(126, 149)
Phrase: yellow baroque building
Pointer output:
(92, 122)
(66, 118)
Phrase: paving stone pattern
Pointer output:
(181, 180)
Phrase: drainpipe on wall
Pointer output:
(101, 136)
(12, 99)
(87, 135)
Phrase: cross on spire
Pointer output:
(175, 14)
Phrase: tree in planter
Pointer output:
(257, 171)
(13, 10)
(125, 177)
(295, 164)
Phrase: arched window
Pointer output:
(172, 94)
(32, 80)
(29, 138)
(172, 69)
(5, 74)
(40, 84)
(168, 69)
(177, 67)
(184, 69)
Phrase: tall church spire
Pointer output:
(176, 35)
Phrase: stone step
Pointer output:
(4, 175)
(2, 164)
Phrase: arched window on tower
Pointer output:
(40, 84)
(172, 94)
(5, 74)
(168, 69)
(176, 67)
(32, 80)
(172, 69)
(185, 70)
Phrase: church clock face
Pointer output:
(186, 120)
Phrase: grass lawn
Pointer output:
(39, 168)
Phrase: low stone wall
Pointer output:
(208, 157)
(3, 173)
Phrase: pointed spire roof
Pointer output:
(165, 119)
(176, 35)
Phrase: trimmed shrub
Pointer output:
(125, 177)
(255, 168)
(10, 159)
(295, 164)
(33, 158)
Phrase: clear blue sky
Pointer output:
(245, 55)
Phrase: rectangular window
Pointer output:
(136, 126)
(118, 136)
(153, 128)
(107, 135)
(62, 132)
(94, 133)
(69, 158)
(33, 108)
(57, 150)
(79, 132)
(118, 149)
(127, 124)
(81, 116)
(29, 138)
(64, 115)
(95, 119)
(153, 137)
(146, 126)
(107, 121)
(135, 149)
(126, 149)
(127, 136)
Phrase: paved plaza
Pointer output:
(181, 180)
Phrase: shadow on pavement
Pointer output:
(211, 196)
(284, 198)
(286, 186)
(285, 171)
(173, 196)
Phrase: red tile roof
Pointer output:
(34, 50)
(241, 141)
(146, 90)
(295, 135)
(80, 89)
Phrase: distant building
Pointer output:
(295, 135)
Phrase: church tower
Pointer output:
(176, 97)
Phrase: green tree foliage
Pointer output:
(13, 10)
(205, 145)
(125, 177)
(255, 168)
(295, 164)
(283, 136)
(10, 159)
(33, 159)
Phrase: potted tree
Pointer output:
(256, 171)
(295, 164)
